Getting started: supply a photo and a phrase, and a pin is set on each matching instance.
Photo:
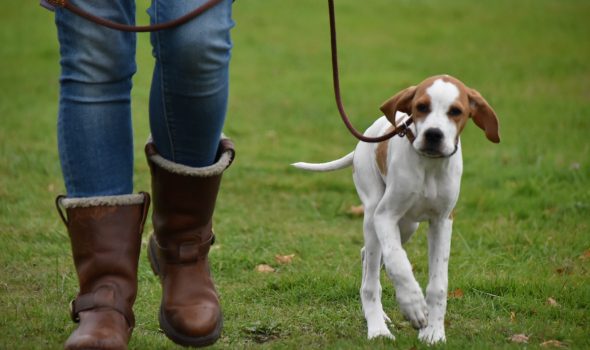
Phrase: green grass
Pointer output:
(523, 219)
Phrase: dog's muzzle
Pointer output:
(433, 144)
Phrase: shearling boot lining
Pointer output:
(85, 202)
(208, 171)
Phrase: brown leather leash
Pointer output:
(130, 28)
(402, 130)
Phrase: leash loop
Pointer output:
(401, 131)
(130, 28)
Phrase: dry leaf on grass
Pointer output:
(512, 316)
(263, 268)
(284, 259)
(565, 270)
(356, 210)
(519, 338)
(552, 302)
(585, 256)
(456, 294)
(553, 344)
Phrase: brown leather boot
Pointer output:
(184, 201)
(105, 233)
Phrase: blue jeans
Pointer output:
(188, 97)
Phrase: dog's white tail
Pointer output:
(337, 164)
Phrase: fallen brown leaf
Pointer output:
(566, 270)
(586, 255)
(552, 302)
(519, 338)
(263, 268)
(456, 294)
(358, 210)
(553, 344)
(512, 316)
(284, 259)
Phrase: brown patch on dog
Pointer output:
(461, 104)
(402, 101)
(381, 153)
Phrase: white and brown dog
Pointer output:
(402, 182)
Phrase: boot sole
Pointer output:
(169, 331)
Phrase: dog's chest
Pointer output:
(430, 188)
(433, 196)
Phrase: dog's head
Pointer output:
(440, 107)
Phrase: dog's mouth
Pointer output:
(435, 152)
(431, 153)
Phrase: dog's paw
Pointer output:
(432, 335)
(413, 307)
(381, 331)
(377, 325)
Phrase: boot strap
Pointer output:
(104, 297)
(187, 252)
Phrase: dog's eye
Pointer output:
(422, 108)
(454, 112)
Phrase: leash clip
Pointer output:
(403, 125)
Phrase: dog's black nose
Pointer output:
(433, 136)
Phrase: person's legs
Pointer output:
(103, 219)
(94, 124)
(188, 99)
(187, 159)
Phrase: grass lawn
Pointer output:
(520, 262)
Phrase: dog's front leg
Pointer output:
(439, 247)
(408, 292)
(371, 286)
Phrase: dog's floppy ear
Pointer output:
(483, 115)
(402, 101)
